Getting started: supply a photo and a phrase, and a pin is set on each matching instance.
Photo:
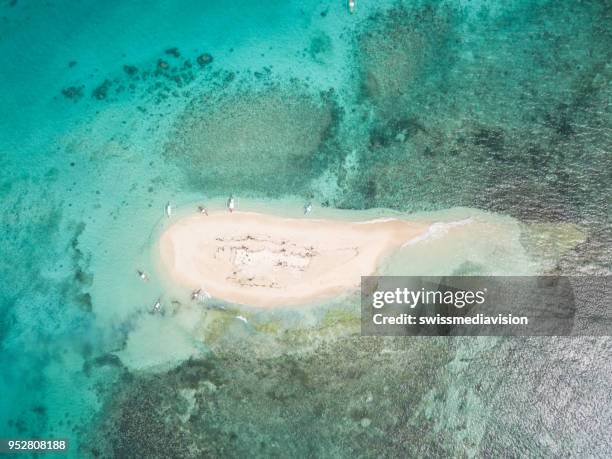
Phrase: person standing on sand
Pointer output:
(230, 203)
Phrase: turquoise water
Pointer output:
(110, 110)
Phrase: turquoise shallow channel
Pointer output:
(430, 108)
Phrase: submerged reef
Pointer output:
(161, 78)
(45, 304)
(401, 49)
(271, 141)
(296, 404)
(367, 397)
(495, 110)
(73, 92)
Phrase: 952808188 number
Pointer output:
(8, 445)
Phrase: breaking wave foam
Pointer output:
(437, 230)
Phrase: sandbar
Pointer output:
(269, 261)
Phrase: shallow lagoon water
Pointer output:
(423, 106)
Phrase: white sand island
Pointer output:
(266, 261)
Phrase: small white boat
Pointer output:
(307, 208)
(157, 306)
(200, 295)
(144, 276)
(242, 318)
(351, 6)
(168, 210)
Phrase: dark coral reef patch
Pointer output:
(502, 118)
(269, 141)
